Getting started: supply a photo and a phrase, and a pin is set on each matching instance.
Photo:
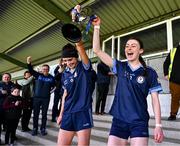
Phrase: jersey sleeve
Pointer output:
(154, 85)
(87, 66)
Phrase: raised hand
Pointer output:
(29, 59)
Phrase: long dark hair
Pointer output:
(140, 57)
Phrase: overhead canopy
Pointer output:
(33, 27)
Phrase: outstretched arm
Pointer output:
(30, 68)
(96, 44)
(26, 81)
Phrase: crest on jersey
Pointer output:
(71, 80)
(140, 79)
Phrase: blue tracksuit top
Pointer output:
(130, 104)
(78, 85)
(43, 84)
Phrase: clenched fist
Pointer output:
(29, 59)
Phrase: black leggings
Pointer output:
(102, 92)
(11, 130)
(1, 120)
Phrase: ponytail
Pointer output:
(144, 65)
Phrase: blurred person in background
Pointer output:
(172, 74)
(27, 94)
(44, 85)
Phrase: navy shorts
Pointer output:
(77, 121)
(125, 130)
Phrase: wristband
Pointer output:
(158, 125)
(97, 26)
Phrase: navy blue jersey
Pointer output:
(79, 97)
(130, 104)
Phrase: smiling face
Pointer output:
(133, 50)
(45, 70)
(6, 78)
(70, 62)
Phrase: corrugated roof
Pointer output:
(19, 19)
(118, 15)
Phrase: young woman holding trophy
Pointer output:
(76, 112)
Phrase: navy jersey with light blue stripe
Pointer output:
(79, 96)
(130, 104)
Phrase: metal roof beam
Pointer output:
(13, 60)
